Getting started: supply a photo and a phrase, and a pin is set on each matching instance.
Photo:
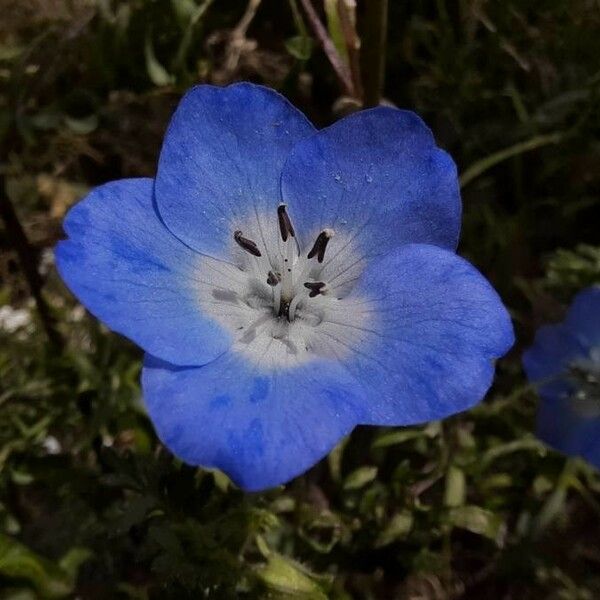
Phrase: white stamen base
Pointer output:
(279, 326)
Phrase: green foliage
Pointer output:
(92, 506)
(569, 271)
(50, 580)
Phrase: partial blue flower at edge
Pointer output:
(402, 331)
(567, 424)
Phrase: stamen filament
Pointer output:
(277, 299)
(287, 276)
(273, 280)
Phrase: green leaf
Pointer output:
(478, 520)
(551, 509)
(73, 559)
(49, 579)
(360, 477)
(529, 443)
(399, 436)
(157, 73)
(483, 165)
(190, 16)
(20, 477)
(299, 47)
(391, 438)
(455, 491)
(398, 528)
(571, 270)
(335, 460)
(334, 27)
(18, 594)
(322, 532)
(8, 52)
(184, 10)
(283, 575)
(82, 126)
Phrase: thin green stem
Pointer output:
(556, 501)
(488, 162)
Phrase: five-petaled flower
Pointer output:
(286, 283)
(564, 362)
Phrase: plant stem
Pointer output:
(337, 62)
(352, 42)
(490, 161)
(373, 46)
(556, 501)
(18, 240)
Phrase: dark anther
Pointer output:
(273, 279)
(320, 246)
(285, 225)
(315, 288)
(246, 244)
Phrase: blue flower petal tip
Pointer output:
(564, 363)
(288, 284)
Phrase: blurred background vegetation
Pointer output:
(92, 507)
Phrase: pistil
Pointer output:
(288, 235)
(274, 281)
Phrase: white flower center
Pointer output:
(283, 301)
(585, 375)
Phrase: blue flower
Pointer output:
(287, 284)
(565, 363)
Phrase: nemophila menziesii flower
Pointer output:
(286, 283)
(564, 362)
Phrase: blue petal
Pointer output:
(262, 429)
(434, 328)
(378, 177)
(554, 348)
(566, 430)
(583, 318)
(130, 272)
(221, 161)
(437, 328)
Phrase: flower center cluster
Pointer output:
(293, 278)
(284, 302)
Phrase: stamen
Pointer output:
(291, 278)
(316, 288)
(273, 279)
(320, 245)
(246, 244)
(285, 225)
